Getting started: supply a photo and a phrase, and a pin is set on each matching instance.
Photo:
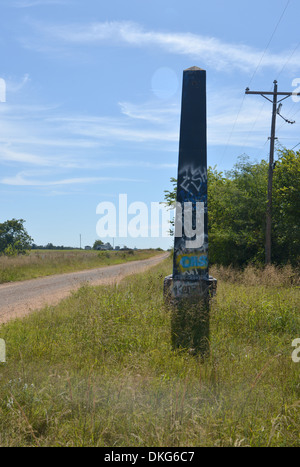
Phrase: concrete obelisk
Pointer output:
(190, 285)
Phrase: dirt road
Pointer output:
(18, 299)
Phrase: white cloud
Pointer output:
(152, 112)
(17, 86)
(24, 158)
(33, 3)
(44, 137)
(210, 50)
(21, 180)
(116, 129)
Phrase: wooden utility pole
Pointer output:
(275, 101)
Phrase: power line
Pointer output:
(270, 40)
(285, 119)
(236, 119)
(292, 116)
(295, 146)
(255, 71)
(261, 59)
(288, 60)
(296, 112)
(253, 125)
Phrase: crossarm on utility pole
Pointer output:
(270, 93)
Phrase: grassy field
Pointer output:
(39, 263)
(98, 369)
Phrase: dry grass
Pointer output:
(98, 369)
(270, 276)
(39, 263)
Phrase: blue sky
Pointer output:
(93, 94)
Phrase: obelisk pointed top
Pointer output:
(194, 68)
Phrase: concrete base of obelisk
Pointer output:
(189, 303)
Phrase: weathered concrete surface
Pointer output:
(188, 290)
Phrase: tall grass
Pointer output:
(98, 370)
(40, 263)
(270, 275)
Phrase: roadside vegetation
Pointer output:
(237, 201)
(14, 239)
(98, 369)
(39, 263)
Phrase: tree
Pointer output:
(286, 207)
(236, 212)
(97, 243)
(237, 204)
(238, 228)
(170, 200)
(14, 238)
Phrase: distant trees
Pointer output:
(50, 246)
(97, 243)
(286, 207)
(14, 238)
(236, 213)
(237, 210)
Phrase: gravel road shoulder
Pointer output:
(18, 299)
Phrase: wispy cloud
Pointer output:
(215, 53)
(152, 112)
(33, 3)
(74, 141)
(17, 86)
(114, 130)
(21, 179)
(24, 158)
(57, 143)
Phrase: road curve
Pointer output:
(18, 299)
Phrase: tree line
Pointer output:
(237, 202)
(14, 238)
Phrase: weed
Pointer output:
(41, 263)
(99, 370)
